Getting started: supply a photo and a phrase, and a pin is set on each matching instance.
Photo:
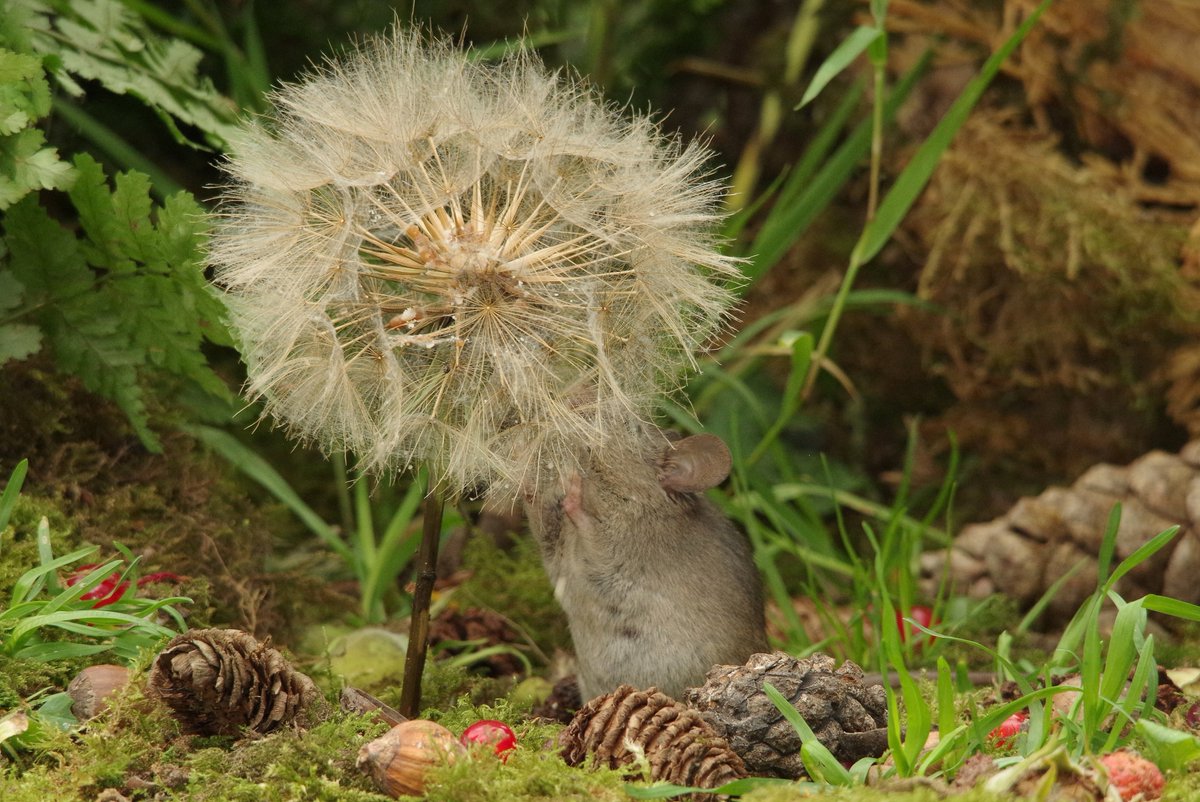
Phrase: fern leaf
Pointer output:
(17, 340)
(103, 41)
(125, 302)
(26, 163)
(83, 329)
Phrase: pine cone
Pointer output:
(679, 746)
(848, 716)
(477, 624)
(221, 681)
(562, 703)
(1036, 542)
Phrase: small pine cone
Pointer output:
(476, 624)
(679, 746)
(848, 716)
(562, 703)
(221, 681)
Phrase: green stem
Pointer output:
(878, 55)
(876, 140)
(600, 36)
(125, 155)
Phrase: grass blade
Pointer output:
(790, 217)
(1173, 607)
(8, 499)
(1140, 555)
(261, 471)
(842, 56)
(917, 172)
(26, 587)
(819, 762)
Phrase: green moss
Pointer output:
(19, 679)
(532, 771)
(185, 510)
(315, 765)
(514, 583)
(442, 685)
(1183, 648)
(1182, 787)
(463, 712)
(125, 741)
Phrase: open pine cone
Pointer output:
(848, 716)
(678, 745)
(1022, 553)
(222, 681)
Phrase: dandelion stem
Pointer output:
(418, 630)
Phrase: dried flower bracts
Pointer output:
(478, 266)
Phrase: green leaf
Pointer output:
(801, 201)
(842, 56)
(819, 762)
(86, 622)
(55, 710)
(1174, 607)
(1123, 646)
(801, 356)
(26, 585)
(11, 291)
(1141, 554)
(8, 498)
(1170, 749)
(26, 164)
(101, 40)
(18, 341)
(24, 93)
(127, 299)
(945, 696)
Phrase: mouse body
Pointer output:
(658, 585)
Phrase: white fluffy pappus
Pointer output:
(479, 266)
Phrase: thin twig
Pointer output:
(418, 630)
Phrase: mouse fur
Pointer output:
(657, 584)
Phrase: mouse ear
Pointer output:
(694, 464)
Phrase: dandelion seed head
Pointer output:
(478, 266)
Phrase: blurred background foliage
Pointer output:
(1038, 303)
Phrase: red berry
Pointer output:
(1133, 775)
(496, 734)
(919, 613)
(1005, 735)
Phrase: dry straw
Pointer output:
(482, 267)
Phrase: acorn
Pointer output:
(92, 687)
(399, 759)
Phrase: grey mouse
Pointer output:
(657, 584)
